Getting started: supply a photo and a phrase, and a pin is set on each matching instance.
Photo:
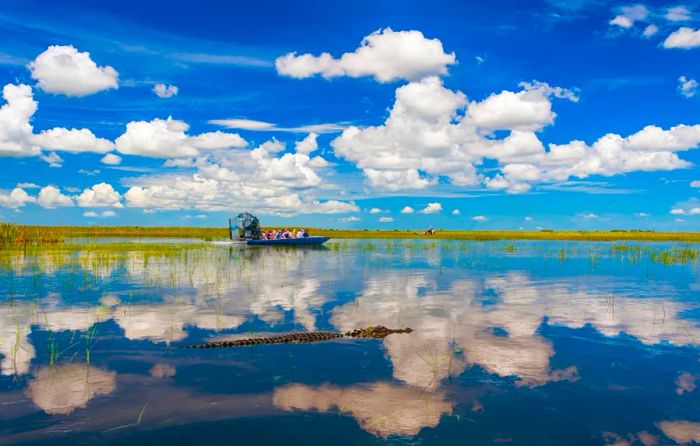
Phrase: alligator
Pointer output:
(376, 332)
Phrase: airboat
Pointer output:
(246, 227)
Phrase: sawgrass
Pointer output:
(15, 235)
(21, 235)
(129, 231)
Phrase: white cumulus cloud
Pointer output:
(418, 134)
(688, 207)
(407, 210)
(53, 159)
(630, 14)
(432, 208)
(684, 37)
(16, 199)
(332, 207)
(677, 14)
(73, 140)
(622, 21)
(650, 149)
(262, 180)
(650, 30)
(99, 195)
(385, 54)
(64, 70)
(687, 87)
(103, 214)
(308, 144)
(51, 197)
(111, 159)
(385, 219)
(167, 138)
(165, 91)
(529, 109)
(434, 132)
(397, 180)
(15, 128)
(17, 136)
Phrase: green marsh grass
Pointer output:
(139, 418)
(18, 234)
(675, 255)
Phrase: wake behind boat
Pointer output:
(248, 229)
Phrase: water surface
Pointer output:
(545, 343)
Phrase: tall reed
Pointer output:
(12, 235)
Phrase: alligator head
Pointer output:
(376, 332)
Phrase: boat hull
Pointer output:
(289, 241)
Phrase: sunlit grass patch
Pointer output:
(12, 235)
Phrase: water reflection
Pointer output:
(479, 321)
(166, 322)
(162, 371)
(17, 352)
(265, 287)
(453, 330)
(643, 437)
(685, 383)
(682, 432)
(162, 322)
(61, 389)
(381, 408)
(502, 337)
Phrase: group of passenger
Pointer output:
(284, 233)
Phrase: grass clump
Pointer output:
(677, 255)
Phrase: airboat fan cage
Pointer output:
(248, 227)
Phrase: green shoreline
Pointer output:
(23, 234)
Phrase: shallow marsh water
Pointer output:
(545, 343)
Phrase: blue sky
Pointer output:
(553, 114)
